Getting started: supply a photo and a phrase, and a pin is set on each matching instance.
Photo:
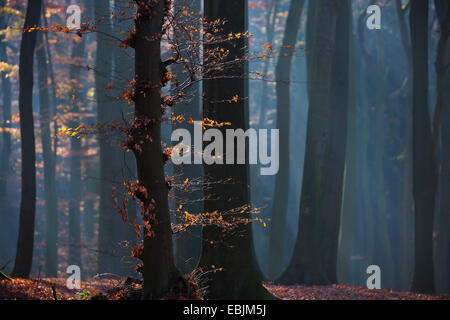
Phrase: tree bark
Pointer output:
(348, 214)
(24, 253)
(321, 34)
(330, 215)
(103, 77)
(75, 153)
(160, 273)
(231, 251)
(282, 184)
(424, 167)
(443, 82)
(407, 201)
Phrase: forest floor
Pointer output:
(48, 288)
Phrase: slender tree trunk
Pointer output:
(51, 262)
(91, 168)
(231, 251)
(424, 167)
(103, 77)
(345, 252)
(160, 272)
(442, 259)
(282, 184)
(125, 164)
(5, 241)
(407, 212)
(382, 251)
(363, 248)
(378, 247)
(24, 253)
(321, 34)
(75, 154)
(271, 17)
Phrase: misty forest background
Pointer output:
(364, 121)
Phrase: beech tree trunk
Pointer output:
(424, 167)
(75, 154)
(282, 184)
(5, 241)
(103, 77)
(51, 256)
(160, 273)
(442, 258)
(305, 266)
(25, 240)
(231, 251)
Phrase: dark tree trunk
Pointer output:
(424, 167)
(282, 181)
(407, 201)
(321, 34)
(443, 83)
(335, 163)
(160, 273)
(231, 251)
(125, 164)
(24, 253)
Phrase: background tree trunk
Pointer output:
(187, 243)
(51, 256)
(5, 234)
(103, 77)
(282, 184)
(424, 167)
(75, 153)
(321, 33)
(443, 83)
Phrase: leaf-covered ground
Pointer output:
(344, 292)
(46, 289)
